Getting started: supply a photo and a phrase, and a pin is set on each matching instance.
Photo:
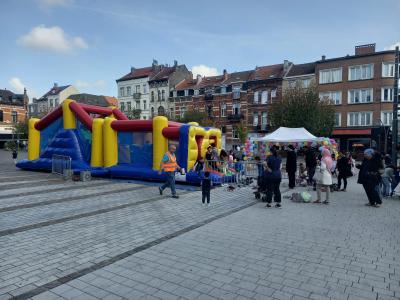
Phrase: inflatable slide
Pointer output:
(105, 142)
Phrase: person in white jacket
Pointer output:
(323, 176)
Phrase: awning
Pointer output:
(352, 132)
(288, 135)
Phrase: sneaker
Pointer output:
(175, 196)
(268, 205)
(208, 204)
(278, 205)
(368, 204)
(325, 202)
(377, 205)
(160, 190)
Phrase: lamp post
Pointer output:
(395, 107)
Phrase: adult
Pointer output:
(291, 166)
(387, 179)
(169, 165)
(311, 164)
(370, 177)
(273, 178)
(323, 176)
(344, 165)
(388, 160)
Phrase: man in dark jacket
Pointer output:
(370, 177)
(291, 166)
(311, 164)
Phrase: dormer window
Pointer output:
(223, 89)
(186, 92)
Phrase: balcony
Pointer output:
(236, 95)
(136, 95)
(235, 117)
(261, 128)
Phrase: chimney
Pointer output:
(132, 69)
(364, 49)
(55, 85)
(225, 74)
(25, 91)
(285, 65)
(198, 79)
(323, 57)
(175, 63)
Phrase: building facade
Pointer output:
(361, 88)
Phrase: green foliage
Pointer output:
(20, 130)
(242, 132)
(195, 116)
(302, 107)
(11, 145)
(133, 114)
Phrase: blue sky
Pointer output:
(92, 43)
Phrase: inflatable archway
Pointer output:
(104, 141)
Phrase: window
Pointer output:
(144, 104)
(236, 109)
(171, 113)
(152, 112)
(14, 116)
(236, 92)
(305, 83)
(235, 133)
(183, 111)
(255, 119)
(330, 75)
(137, 104)
(264, 97)
(338, 120)
(121, 91)
(223, 110)
(159, 95)
(122, 106)
(51, 102)
(186, 92)
(144, 118)
(161, 111)
(152, 96)
(387, 118)
(137, 89)
(55, 102)
(273, 93)
(1, 116)
(264, 120)
(360, 96)
(361, 72)
(335, 97)
(223, 90)
(387, 94)
(387, 69)
(144, 89)
(129, 104)
(255, 97)
(359, 118)
(128, 91)
(163, 95)
(210, 111)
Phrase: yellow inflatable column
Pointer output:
(97, 143)
(160, 143)
(110, 142)
(34, 140)
(68, 115)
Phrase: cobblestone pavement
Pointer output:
(132, 243)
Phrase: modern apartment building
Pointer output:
(361, 88)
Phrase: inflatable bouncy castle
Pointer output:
(105, 142)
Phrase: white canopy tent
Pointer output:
(288, 135)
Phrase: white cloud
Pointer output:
(393, 47)
(84, 85)
(53, 3)
(17, 86)
(204, 70)
(52, 39)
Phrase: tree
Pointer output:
(133, 114)
(302, 107)
(20, 130)
(242, 132)
(195, 116)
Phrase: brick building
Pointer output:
(361, 88)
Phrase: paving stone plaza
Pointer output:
(113, 239)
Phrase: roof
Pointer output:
(111, 100)
(163, 74)
(302, 69)
(356, 56)
(211, 81)
(137, 73)
(9, 98)
(237, 77)
(55, 90)
(186, 84)
(267, 72)
(91, 99)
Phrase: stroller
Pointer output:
(261, 192)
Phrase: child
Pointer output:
(14, 156)
(205, 188)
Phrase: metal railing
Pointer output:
(61, 165)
